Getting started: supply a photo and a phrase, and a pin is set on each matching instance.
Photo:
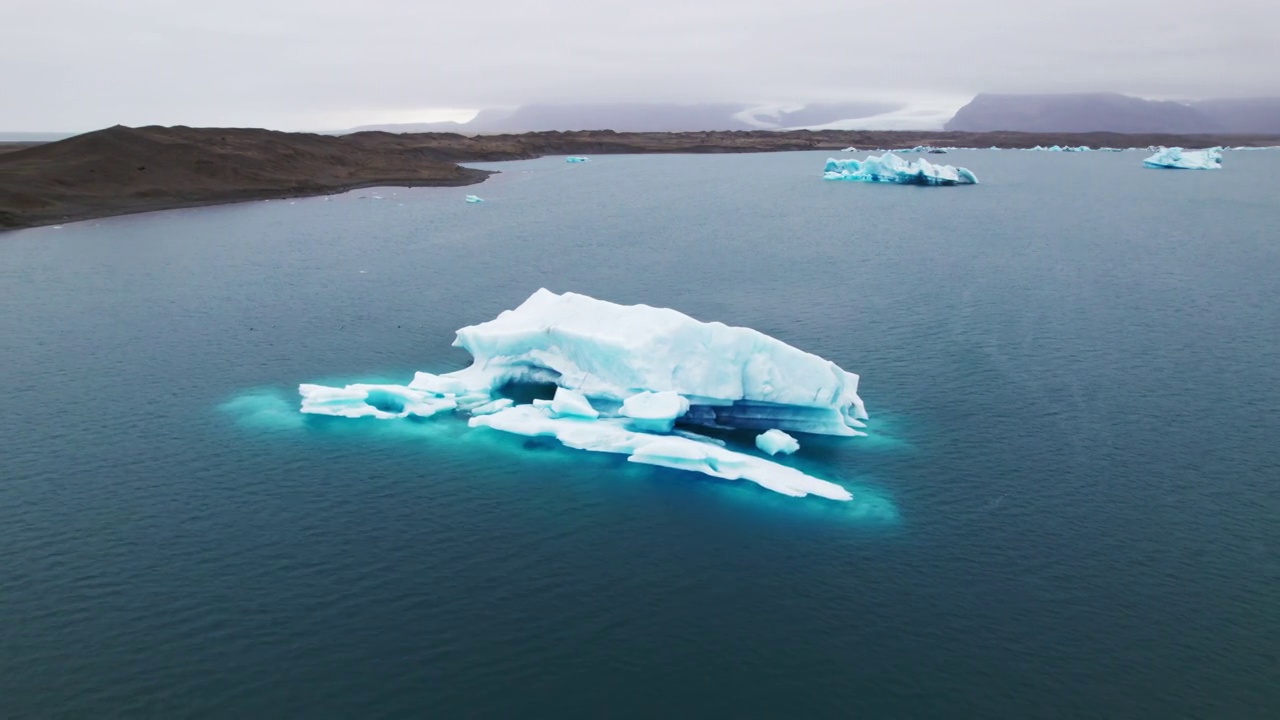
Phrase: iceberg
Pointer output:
(1179, 159)
(474, 199)
(850, 149)
(889, 168)
(624, 375)
(577, 159)
(776, 441)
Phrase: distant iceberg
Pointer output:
(577, 159)
(474, 199)
(850, 149)
(889, 168)
(624, 375)
(1179, 159)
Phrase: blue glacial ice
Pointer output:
(776, 441)
(623, 376)
(474, 199)
(1179, 159)
(889, 168)
(577, 159)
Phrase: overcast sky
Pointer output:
(72, 65)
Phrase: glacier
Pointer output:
(776, 441)
(889, 168)
(623, 376)
(1178, 159)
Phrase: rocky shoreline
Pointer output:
(121, 170)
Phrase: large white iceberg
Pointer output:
(623, 376)
(889, 168)
(1178, 159)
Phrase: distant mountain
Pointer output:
(1243, 115)
(644, 117)
(1083, 112)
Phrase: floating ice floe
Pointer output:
(577, 159)
(776, 441)
(1179, 159)
(889, 168)
(474, 199)
(680, 452)
(850, 149)
(624, 375)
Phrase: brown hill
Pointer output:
(123, 170)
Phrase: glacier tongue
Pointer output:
(623, 376)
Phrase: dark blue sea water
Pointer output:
(1073, 372)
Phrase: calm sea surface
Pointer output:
(1069, 503)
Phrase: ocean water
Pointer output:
(1073, 372)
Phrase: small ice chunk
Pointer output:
(577, 159)
(572, 404)
(654, 411)
(474, 199)
(776, 441)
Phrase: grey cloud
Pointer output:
(79, 64)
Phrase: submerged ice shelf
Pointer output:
(889, 168)
(624, 376)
